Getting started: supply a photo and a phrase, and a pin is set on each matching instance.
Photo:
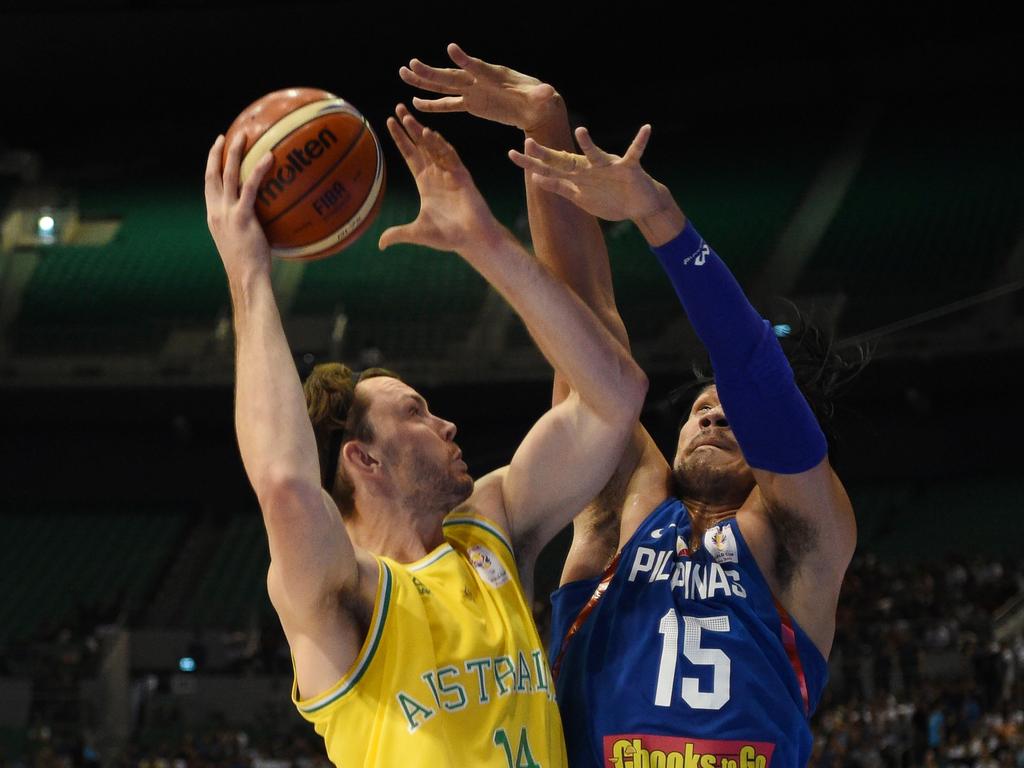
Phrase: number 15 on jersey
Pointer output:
(716, 658)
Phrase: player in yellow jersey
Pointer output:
(404, 588)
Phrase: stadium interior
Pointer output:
(871, 174)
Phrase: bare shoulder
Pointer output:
(801, 532)
(488, 501)
(326, 634)
(811, 522)
(798, 540)
(649, 485)
(306, 612)
(640, 483)
(816, 493)
(760, 535)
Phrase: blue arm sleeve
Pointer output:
(769, 416)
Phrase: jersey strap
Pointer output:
(585, 611)
(482, 523)
(310, 708)
(789, 643)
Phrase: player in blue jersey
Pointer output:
(697, 606)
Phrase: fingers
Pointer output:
(534, 165)
(213, 170)
(562, 187)
(440, 151)
(411, 78)
(412, 126)
(556, 160)
(593, 153)
(563, 168)
(528, 163)
(419, 144)
(405, 146)
(636, 149)
(247, 199)
(540, 152)
(449, 81)
(403, 233)
(469, 63)
(598, 156)
(446, 104)
(231, 165)
(447, 76)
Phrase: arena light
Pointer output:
(42, 215)
(47, 229)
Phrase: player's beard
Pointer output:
(436, 487)
(713, 484)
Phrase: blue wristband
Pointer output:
(772, 422)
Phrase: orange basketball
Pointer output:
(327, 181)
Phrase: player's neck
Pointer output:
(703, 512)
(704, 515)
(386, 526)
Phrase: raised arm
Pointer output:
(569, 242)
(570, 453)
(311, 554)
(804, 509)
(566, 239)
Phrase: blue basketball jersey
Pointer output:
(685, 659)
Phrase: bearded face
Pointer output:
(430, 479)
(417, 448)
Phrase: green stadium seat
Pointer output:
(56, 562)
(930, 218)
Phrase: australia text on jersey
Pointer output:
(450, 689)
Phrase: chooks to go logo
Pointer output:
(635, 750)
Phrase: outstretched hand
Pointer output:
(230, 213)
(485, 90)
(605, 185)
(453, 213)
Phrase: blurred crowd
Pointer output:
(216, 747)
(927, 670)
(920, 674)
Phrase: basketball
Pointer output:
(327, 181)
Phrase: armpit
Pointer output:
(795, 539)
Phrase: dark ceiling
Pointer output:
(115, 87)
(112, 90)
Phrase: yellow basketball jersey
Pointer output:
(452, 671)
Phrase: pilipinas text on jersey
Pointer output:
(685, 659)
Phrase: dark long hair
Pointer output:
(822, 372)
